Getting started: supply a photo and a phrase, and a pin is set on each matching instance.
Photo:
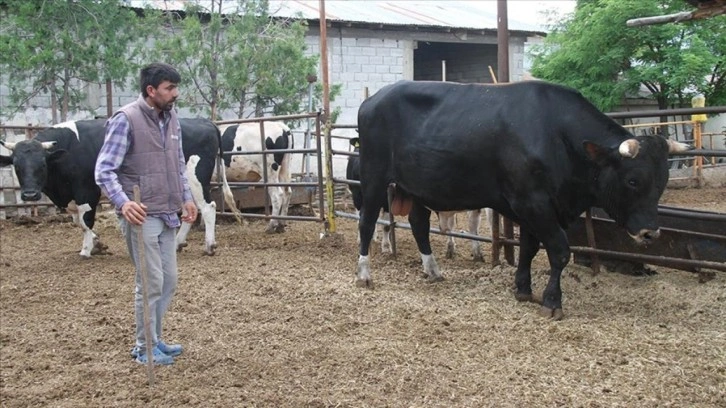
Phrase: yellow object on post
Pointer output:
(698, 101)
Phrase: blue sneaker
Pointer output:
(170, 349)
(159, 358)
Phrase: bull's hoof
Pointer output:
(275, 229)
(524, 297)
(209, 252)
(478, 258)
(100, 251)
(100, 248)
(554, 314)
(181, 246)
(450, 253)
(434, 279)
(364, 283)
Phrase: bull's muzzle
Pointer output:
(645, 236)
(30, 195)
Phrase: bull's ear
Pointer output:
(355, 142)
(676, 147)
(598, 154)
(5, 161)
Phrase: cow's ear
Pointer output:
(598, 154)
(5, 161)
(55, 155)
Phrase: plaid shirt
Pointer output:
(112, 155)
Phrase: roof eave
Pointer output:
(418, 27)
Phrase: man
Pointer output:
(143, 148)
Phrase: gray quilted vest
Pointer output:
(152, 162)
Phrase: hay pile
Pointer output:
(276, 321)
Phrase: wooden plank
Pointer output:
(254, 199)
(701, 13)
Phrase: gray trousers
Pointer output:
(160, 257)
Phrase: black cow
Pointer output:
(60, 162)
(447, 219)
(352, 172)
(538, 153)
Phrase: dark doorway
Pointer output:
(466, 63)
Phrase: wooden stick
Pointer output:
(491, 72)
(145, 292)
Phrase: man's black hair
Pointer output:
(156, 73)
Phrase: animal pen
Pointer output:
(692, 240)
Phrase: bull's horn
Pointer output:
(675, 147)
(47, 145)
(629, 148)
(8, 145)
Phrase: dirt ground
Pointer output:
(276, 321)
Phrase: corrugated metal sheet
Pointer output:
(478, 15)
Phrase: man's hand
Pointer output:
(133, 212)
(189, 213)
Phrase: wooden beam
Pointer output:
(678, 17)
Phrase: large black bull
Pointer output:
(538, 153)
(60, 162)
(447, 219)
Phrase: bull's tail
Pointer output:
(226, 190)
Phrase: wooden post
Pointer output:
(698, 101)
(330, 222)
(591, 241)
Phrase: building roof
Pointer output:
(462, 14)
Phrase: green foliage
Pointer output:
(56, 48)
(597, 54)
(236, 58)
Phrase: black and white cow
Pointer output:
(245, 137)
(447, 219)
(60, 161)
(538, 153)
(202, 147)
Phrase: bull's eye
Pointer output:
(633, 183)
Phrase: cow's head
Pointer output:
(355, 143)
(281, 142)
(30, 160)
(631, 179)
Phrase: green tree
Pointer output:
(57, 48)
(595, 52)
(236, 56)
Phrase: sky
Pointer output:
(527, 11)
